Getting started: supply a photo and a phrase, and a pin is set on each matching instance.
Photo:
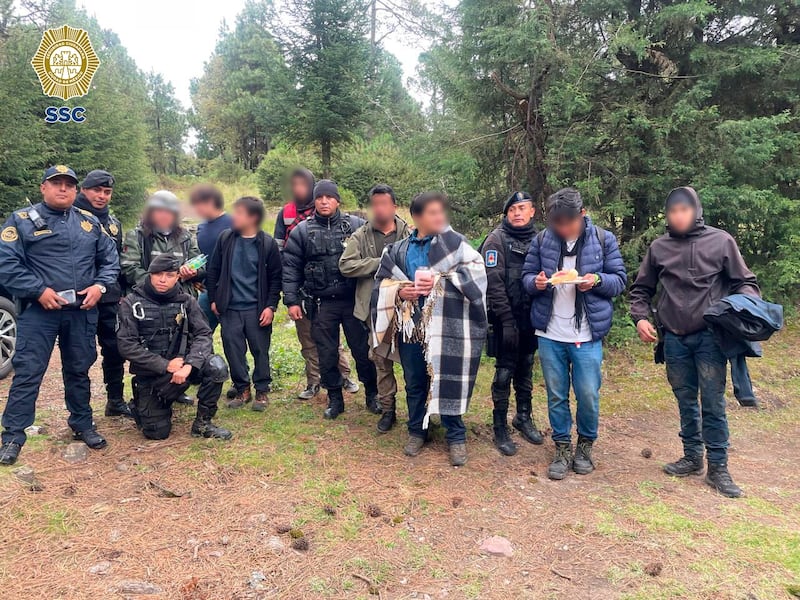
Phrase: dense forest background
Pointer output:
(623, 99)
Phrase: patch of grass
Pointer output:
(772, 544)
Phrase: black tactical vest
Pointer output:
(515, 251)
(159, 324)
(325, 244)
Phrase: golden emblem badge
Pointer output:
(113, 229)
(9, 234)
(86, 226)
(65, 62)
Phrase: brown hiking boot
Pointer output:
(240, 400)
(458, 454)
(413, 446)
(261, 402)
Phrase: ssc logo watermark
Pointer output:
(65, 64)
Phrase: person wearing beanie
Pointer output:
(294, 212)
(572, 315)
(315, 289)
(511, 339)
(160, 232)
(692, 266)
(166, 338)
(97, 188)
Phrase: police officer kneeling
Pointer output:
(58, 262)
(512, 340)
(166, 338)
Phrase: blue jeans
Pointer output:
(696, 365)
(564, 363)
(742, 384)
(213, 321)
(415, 373)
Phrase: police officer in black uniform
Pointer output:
(58, 262)
(314, 288)
(95, 195)
(166, 337)
(512, 339)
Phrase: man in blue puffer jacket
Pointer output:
(571, 320)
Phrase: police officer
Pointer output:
(95, 195)
(165, 336)
(512, 340)
(315, 289)
(59, 262)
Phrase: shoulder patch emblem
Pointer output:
(22, 214)
(83, 211)
(113, 229)
(9, 234)
(491, 258)
(86, 226)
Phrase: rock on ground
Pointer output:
(77, 452)
(497, 546)
(137, 587)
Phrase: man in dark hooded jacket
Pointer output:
(94, 198)
(692, 266)
(509, 307)
(294, 212)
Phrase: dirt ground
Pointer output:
(198, 519)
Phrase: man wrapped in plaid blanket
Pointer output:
(437, 337)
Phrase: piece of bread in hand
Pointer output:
(564, 277)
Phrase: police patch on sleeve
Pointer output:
(491, 258)
(9, 234)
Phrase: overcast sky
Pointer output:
(175, 37)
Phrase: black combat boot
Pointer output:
(523, 422)
(387, 421)
(335, 404)
(203, 427)
(686, 465)
(9, 452)
(91, 438)
(562, 461)
(582, 462)
(501, 438)
(117, 407)
(371, 401)
(720, 479)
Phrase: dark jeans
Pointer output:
(418, 384)
(37, 331)
(240, 330)
(564, 363)
(212, 319)
(113, 363)
(696, 365)
(742, 384)
(332, 313)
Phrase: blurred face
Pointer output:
(569, 228)
(243, 221)
(300, 191)
(99, 197)
(161, 219)
(326, 205)
(432, 220)
(164, 282)
(382, 208)
(681, 217)
(206, 209)
(520, 214)
(59, 192)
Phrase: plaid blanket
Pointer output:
(451, 325)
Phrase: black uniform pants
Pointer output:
(37, 332)
(153, 398)
(113, 363)
(332, 313)
(240, 330)
(515, 368)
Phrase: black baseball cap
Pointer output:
(98, 178)
(59, 171)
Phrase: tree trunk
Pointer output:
(326, 158)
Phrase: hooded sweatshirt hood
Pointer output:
(687, 195)
(308, 176)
